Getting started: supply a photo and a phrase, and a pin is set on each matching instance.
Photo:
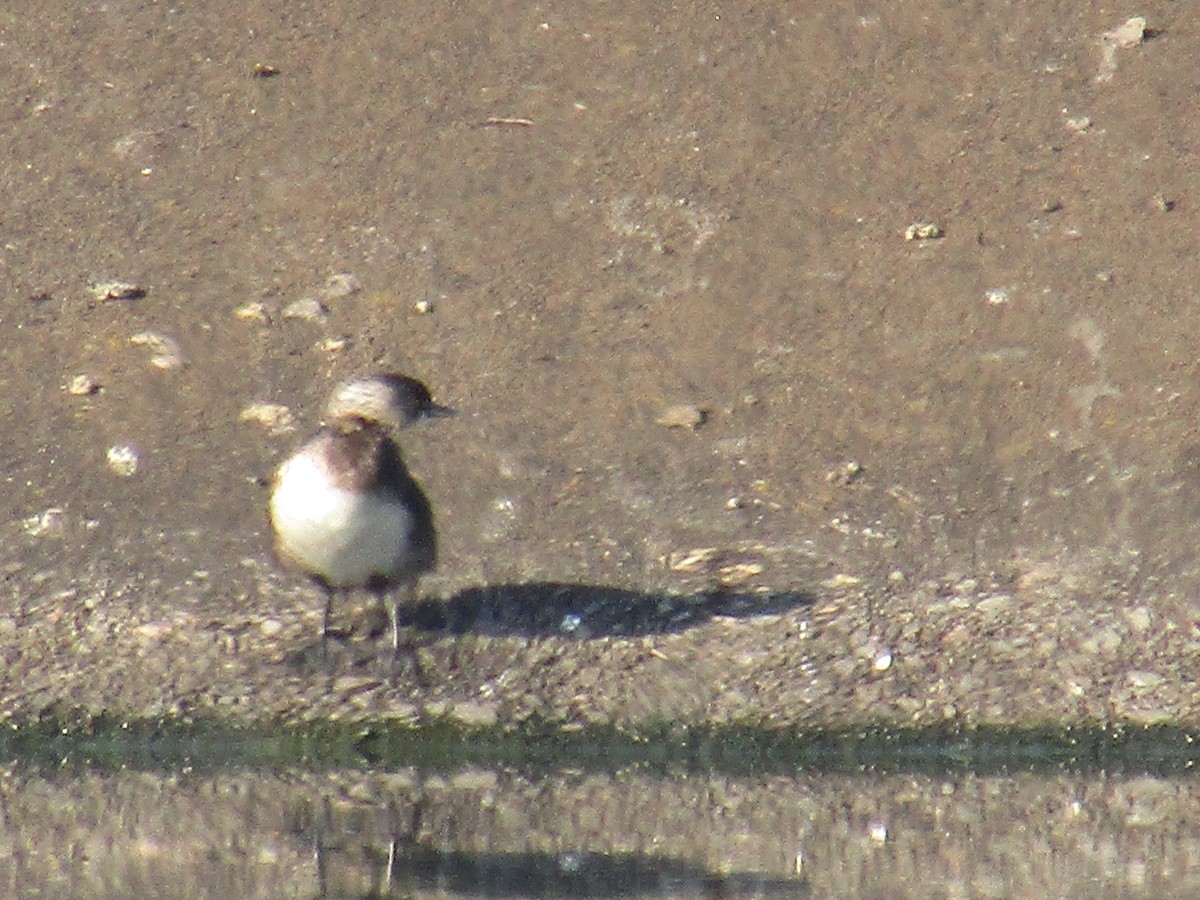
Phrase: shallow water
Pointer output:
(167, 810)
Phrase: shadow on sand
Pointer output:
(544, 608)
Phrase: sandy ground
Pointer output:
(937, 480)
(929, 471)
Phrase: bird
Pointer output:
(344, 507)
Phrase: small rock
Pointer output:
(334, 344)
(406, 713)
(47, 522)
(739, 573)
(846, 474)
(276, 417)
(153, 631)
(270, 627)
(310, 309)
(690, 560)
(354, 684)
(1130, 33)
(1138, 618)
(255, 311)
(474, 714)
(117, 290)
(423, 306)
(1143, 681)
(923, 231)
(164, 351)
(994, 604)
(682, 415)
(342, 284)
(123, 460)
(82, 386)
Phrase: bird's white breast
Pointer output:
(346, 537)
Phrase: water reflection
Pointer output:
(403, 841)
(482, 833)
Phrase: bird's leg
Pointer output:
(325, 619)
(405, 595)
(393, 604)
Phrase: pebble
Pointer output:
(923, 231)
(270, 627)
(334, 344)
(48, 522)
(1143, 681)
(123, 460)
(474, 714)
(690, 560)
(275, 417)
(401, 712)
(1130, 33)
(82, 386)
(1138, 618)
(845, 474)
(682, 415)
(310, 309)
(353, 684)
(341, 284)
(255, 311)
(739, 573)
(995, 604)
(117, 290)
(153, 631)
(164, 351)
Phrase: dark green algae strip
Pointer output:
(71, 742)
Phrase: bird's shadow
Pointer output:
(582, 611)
